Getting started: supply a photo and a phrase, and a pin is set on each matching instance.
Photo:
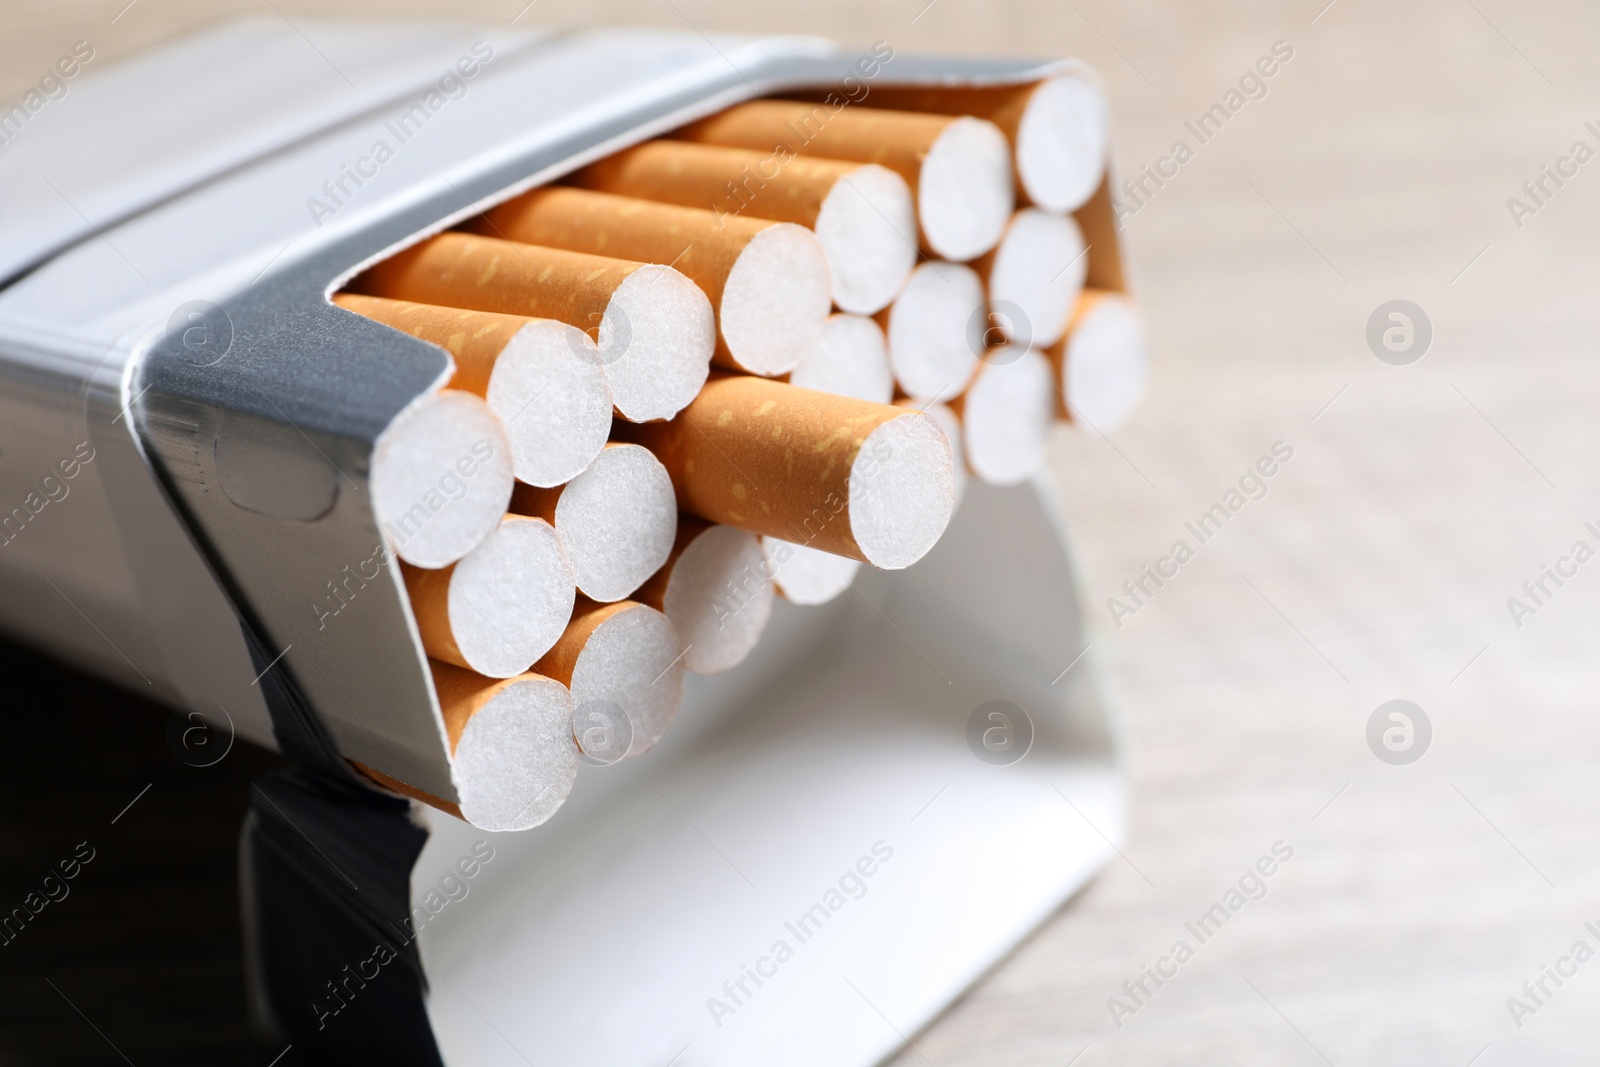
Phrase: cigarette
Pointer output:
(716, 592)
(805, 575)
(501, 606)
(1101, 363)
(395, 785)
(1098, 219)
(515, 362)
(868, 481)
(654, 328)
(951, 426)
(616, 520)
(862, 213)
(1034, 277)
(935, 329)
(1059, 130)
(1006, 414)
(848, 358)
(441, 477)
(959, 168)
(623, 657)
(511, 746)
(767, 280)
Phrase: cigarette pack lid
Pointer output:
(83, 151)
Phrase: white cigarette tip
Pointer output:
(935, 331)
(510, 598)
(868, 227)
(1038, 272)
(634, 660)
(1106, 365)
(1062, 142)
(902, 491)
(516, 760)
(964, 190)
(441, 477)
(656, 340)
(849, 357)
(807, 575)
(549, 388)
(775, 299)
(719, 598)
(1006, 416)
(617, 521)
(951, 426)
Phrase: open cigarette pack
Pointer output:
(608, 464)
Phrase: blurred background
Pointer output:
(1379, 165)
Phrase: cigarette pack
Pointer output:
(840, 835)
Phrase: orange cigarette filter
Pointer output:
(768, 281)
(474, 338)
(429, 592)
(501, 606)
(546, 370)
(536, 502)
(587, 616)
(481, 273)
(868, 481)
(957, 166)
(1098, 220)
(899, 140)
(1003, 105)
(616, 519)
(718, 179)
(406, 789)
(462, 694)
(861, 212)
(515, 758)
(1057, 128)
(653, 327)
(622, 661)
(716, 590)
(511, 744)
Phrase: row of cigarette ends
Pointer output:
(739, 361)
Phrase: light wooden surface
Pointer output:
(1377, 166)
